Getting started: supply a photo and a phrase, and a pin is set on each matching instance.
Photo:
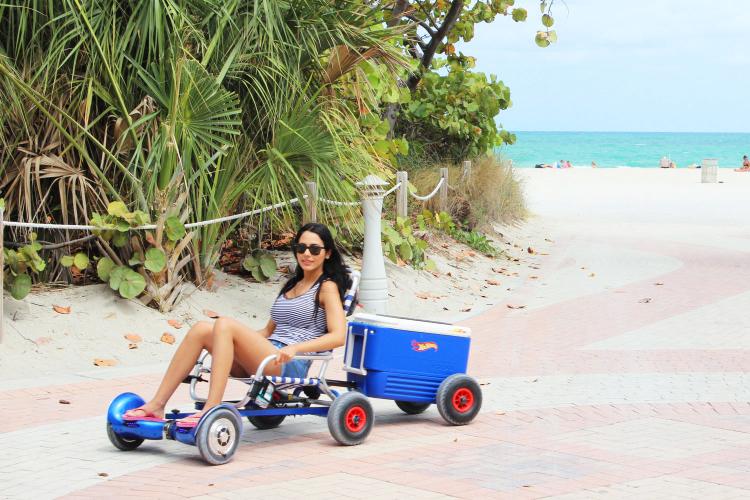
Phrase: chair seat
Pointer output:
(282, 382)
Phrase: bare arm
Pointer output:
(267, 330)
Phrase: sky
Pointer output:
(636, 65)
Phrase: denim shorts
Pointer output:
(296, 367)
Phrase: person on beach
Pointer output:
(664, 162)
(566, 164)
(307, 316)
(745, 165)
(594, 165)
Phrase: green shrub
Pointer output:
(400, 243)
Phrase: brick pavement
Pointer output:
(589, 393)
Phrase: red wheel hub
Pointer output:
(463, 400)
(355, 419)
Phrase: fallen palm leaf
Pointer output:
(61, 309)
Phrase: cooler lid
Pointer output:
(414, 325)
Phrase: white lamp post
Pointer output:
(373, 287)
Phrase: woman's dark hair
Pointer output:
(334, 268)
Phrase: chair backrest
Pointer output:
(350, 297)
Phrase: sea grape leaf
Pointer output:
(104, 267)
(156, 260)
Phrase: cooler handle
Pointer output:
(350, 354)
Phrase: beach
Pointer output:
(612, 357)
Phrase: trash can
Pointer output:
(709, 170)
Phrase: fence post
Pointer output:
(402, 193)
(312, 201)
(373, 287)
(443, 193)
(2, 266)
(466, 173)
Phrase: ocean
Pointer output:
(626, 149)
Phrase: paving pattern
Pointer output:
(590, 392)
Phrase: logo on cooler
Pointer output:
(423, 346)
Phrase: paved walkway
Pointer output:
(625, 376)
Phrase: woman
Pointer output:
(307, 316)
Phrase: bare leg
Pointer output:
(234, 342)
(197, 339)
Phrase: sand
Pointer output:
(40, 342)
(669, 205)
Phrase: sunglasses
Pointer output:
(301, 248)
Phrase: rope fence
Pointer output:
(427, 197)
(401, 188)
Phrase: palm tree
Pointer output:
(194, 107)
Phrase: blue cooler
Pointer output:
(403, 359)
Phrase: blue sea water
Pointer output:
(630, 149)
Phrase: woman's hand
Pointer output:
(286, 354)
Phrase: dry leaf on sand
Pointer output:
(133, 337)
(466, 309)
(132, 346)
(531, 250)
(64, 402)
(645, 300)
(210, 313)
(658, 284)
(104, 362)
(422, 295)
(514, 306)
(174, 323)
(167, 338)
(61, 309)
(492, 282)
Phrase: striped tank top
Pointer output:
(294, 318)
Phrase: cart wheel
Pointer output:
(120, 442)
(218, 435)
(350, 418)
(459, 399)
(264, 422)
(412, 408)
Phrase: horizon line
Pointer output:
(631, 131)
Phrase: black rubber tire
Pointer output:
(459, 399)
(265, 422)
(350, 418)
(120, 442)
(218, 436)
(412, 408)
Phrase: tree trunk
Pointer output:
(429, 52)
